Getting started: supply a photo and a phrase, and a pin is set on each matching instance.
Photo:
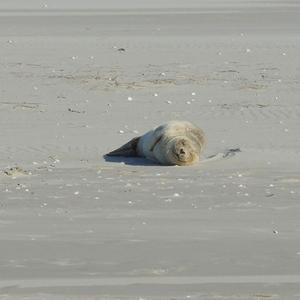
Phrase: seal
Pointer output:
(174, 143)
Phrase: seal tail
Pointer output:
(129, 149)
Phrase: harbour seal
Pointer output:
(174, 143)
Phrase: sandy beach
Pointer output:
(78, 79)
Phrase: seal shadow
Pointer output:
(140, 161)
(133, 161)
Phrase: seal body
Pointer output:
(173, 143)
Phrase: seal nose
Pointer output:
(182, 151)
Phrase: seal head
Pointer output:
(183, 152)
(179, 150)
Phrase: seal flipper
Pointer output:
(129, 149)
